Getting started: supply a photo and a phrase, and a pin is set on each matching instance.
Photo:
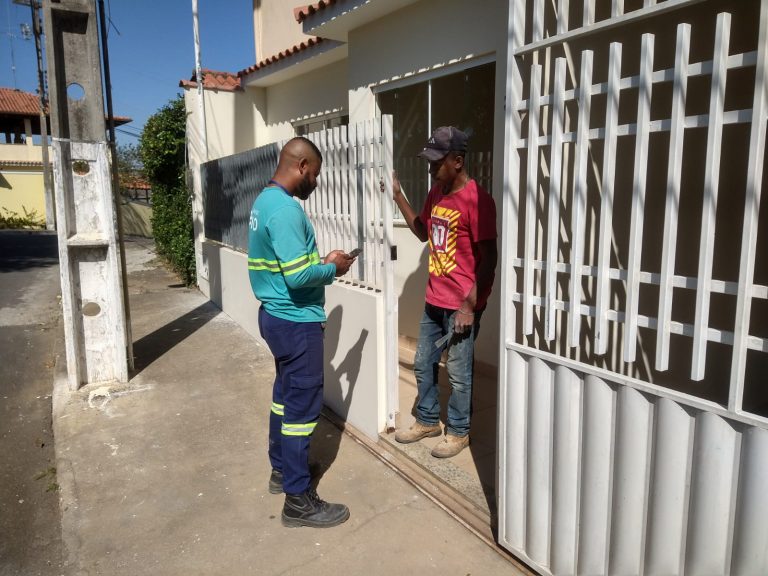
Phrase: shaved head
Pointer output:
(299, 167)
(296, 149)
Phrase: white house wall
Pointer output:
(354, 342)
(233, 121)
(322, 91)
(425, 36)
(275, 27)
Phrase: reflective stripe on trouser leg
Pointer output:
(275, 437)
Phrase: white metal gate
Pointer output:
(349, 211)
(633, 421)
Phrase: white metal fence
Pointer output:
(347, 210)
(633, 429)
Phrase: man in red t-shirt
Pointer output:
(459, 222)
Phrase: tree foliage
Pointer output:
(162, 148)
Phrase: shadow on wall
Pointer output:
(340, 381)
(411, 299)
(212, 263)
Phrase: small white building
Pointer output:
(620, 412)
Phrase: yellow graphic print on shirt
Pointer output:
(442, 239)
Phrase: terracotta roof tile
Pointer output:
(281, 56)
(301, 13)
(21, 163)
(20, 103)
(214, 80)
(134, 183)
(17, 103)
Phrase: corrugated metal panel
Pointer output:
(601, 478)
(230, 185)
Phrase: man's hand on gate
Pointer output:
(341, 259)
(397, 190)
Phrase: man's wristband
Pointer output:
(465, 313)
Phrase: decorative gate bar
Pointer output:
(347, 210)
(561, 124)
(633, 431)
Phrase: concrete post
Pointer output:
(90, 261)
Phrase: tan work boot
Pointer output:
(450, 446)
(417, 432)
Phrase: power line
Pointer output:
(127, 133)
(131, 129)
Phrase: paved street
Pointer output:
(30, 534)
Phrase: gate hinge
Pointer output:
(393, 253)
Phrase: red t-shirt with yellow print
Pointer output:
(455, 224)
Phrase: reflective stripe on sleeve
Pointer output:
(295, 266)
(263, 264)
(287, 268)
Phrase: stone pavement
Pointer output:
(167, 474)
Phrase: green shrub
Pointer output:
(30, 220)
(172, 228)
(162, 148)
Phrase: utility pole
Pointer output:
(199, 79)
(50, 203)
(115, 179)
(90, 261)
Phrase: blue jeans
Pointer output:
(435, 323)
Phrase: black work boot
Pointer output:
(308, 509)
(276, 482)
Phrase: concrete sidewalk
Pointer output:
(168, 474)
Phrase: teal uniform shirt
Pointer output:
(284, 267)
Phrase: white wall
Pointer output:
(233, 121)
(423, 37)
(275, 27)
(319, 92)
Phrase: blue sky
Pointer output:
(151, 48)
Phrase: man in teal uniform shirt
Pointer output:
(288, 276)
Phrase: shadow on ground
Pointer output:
(152, 346)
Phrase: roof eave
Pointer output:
(301, 62)
(336, 20)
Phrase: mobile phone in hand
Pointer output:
(355, 253)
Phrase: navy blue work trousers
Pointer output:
(297, 395)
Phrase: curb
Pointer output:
(65, 474)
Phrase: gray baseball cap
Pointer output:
(444, 140)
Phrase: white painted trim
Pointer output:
(436, 72)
